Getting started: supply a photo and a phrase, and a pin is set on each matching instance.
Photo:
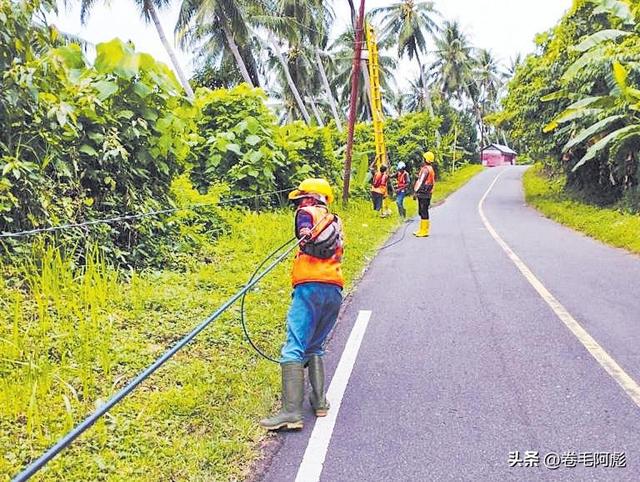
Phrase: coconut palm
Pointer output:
(415, 99)
(221, 27)
(488, 83)
(339, 66)
(149, 13)
(454, 65)
(409, 25)
(312, 20)
(488, 76)
(514, 63)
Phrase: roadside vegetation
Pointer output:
(616, 227)
(83, 310)
(573, 105)
(72, 334)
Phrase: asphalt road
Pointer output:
(463, 362)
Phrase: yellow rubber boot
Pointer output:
(423, 230)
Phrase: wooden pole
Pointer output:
(355, 81)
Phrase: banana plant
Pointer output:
(608, 123)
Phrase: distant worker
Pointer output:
(402, 186)
(317, 295)
(424, 190)
(379, 187)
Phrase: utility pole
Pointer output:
(355, 81)
(455, 144)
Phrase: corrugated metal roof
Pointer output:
(501, 148)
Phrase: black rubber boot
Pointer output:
(318, 400)
(290, 416)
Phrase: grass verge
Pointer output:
(70, 336)
(608, 225)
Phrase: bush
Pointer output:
(83, 141)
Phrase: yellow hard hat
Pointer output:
(429, 156)
(312, 186)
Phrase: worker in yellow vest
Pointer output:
(423, 189)
(317, 295)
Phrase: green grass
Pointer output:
(70, 336)
(611, 226)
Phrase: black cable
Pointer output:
(242, 301)
(65, 441)
(243, 320)
(404, 233)
(130, 217)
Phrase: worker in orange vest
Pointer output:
(402, 187)
(379, 187)
(317, 295)
(423, 189)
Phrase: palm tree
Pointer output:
(488, 75)
(415, 99)
(220, 26)
(339, 65)
(304, 26)
(514, 63)
(149, 12)
(409, 24)
(454, 65)
(489, 82)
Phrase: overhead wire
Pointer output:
(80, 428)
(131, 217)
(65, 441)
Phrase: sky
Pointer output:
(506, 27)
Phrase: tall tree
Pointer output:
(305, 30)
(409, 25)
(339, 65)
(454, 62)
(488, 80)
(149, 12)
(221, 26)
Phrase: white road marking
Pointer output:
(628, 384)
(313, 460)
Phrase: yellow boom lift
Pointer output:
(375, 99)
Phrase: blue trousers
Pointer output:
(400, 195)
(313, 313)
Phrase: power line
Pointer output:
(130, 217)
(91, 419)
(79, 429)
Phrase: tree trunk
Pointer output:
(367, 84)
(167, 46)
(427, 94)
(352, 7)
(315, 110)
(287, 74)
(231, 43)
(327, 88)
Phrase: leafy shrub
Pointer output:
(83, 141)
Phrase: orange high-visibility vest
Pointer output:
(380, 183)
(309, 269)
(426, 181)
(402, 180)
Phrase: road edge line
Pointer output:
(313, 460)
(606, 361)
